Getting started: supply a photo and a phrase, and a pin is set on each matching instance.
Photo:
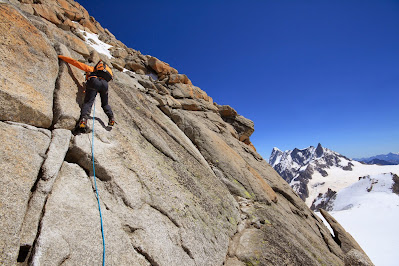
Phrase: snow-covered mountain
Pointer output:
(369, 211)
(312, 171)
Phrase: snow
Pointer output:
(278, 159)
(343, 162)
(359, 191)
(98, 45)
(318, 201)
(338, 178)
(303, 168)
(128, 71)
(371, 217)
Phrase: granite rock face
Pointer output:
(179, 181)
(22, 155)
(27, 72)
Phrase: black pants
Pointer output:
(93, 86)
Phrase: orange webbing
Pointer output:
(77, 64)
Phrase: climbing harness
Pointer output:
(95, 183)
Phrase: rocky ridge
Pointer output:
(179, 180)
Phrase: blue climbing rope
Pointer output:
(95, 183)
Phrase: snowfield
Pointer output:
(98, 45)
(338, 178)
(369, 211)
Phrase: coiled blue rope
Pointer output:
(95, 183)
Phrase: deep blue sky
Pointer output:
(304, 71)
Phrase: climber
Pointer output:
(97, 81)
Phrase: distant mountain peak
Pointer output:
(297, 166)
(319, 150)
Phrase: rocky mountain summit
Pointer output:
(179, 181)
(298, 166)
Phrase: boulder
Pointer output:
(161, 67)
(136, 67)
(46, 12)
(88, 23)
(196, 105)
(72, 10)
(67, 25)
(147, 84)
(118, 64)
(119, 52)
(162, 89)
(171, 102)
(73, 15)
(227, 111)
(181, 91)
(118, 61)
(27, 73)
(191, 105)
(242, 125)
(94, 56)
(178, 78)
(66, 5)
(22, 154)
(200, 94)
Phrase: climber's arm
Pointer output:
(77, 64)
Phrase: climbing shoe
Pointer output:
(111, 122)
(83, 123)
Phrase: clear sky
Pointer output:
(304, 71)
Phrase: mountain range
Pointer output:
(382, 159)
(312, 171)
(361, 197)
